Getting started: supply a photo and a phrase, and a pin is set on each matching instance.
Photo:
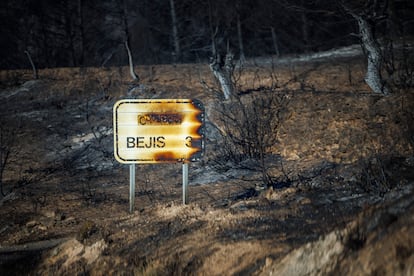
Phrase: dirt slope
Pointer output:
(347, 155)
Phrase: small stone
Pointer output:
(31, 224)
(49, 214)
(268, 262)
(42, 228)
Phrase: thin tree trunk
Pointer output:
(222, 69)
(213, 30)
(4, 156)
(223, 73)
(240, 38)
(70, 34)
(274, 39)
(126, 33)
(35, 75)
(81, 33)
(177, 50)
(305, 27)
(373, 76)
(131, 63)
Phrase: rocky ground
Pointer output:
(340, 199)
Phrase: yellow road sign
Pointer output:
(158, 131)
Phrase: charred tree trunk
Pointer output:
(213, 30)
(223, 71)
(366, 19)
(126, 42)
(81, 28)
(35, 75)
(240, 38)
(4, 156)
(134, 76)
(274, 39)
(305, 27)
(373, 76)
(176, 41)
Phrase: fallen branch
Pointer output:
(32, 246)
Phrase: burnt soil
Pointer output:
(341, 199)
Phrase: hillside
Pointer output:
(340, 199)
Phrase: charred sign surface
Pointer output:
(158, 131)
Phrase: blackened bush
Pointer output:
(250, 126)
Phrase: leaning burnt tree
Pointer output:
(221, 66)
(222, 69)
(124, 15)
(367, 18)
(373, 51)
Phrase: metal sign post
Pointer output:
(185, 183)
(131, 187)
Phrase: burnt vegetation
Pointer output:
(298, 144)
(250, 127)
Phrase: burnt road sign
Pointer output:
(158, 131)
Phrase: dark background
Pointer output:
(92, 33)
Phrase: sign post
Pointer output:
(185, 183)
(158, 131)
(131, 187)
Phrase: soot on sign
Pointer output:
(160, 119)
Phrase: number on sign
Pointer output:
(188, 140)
